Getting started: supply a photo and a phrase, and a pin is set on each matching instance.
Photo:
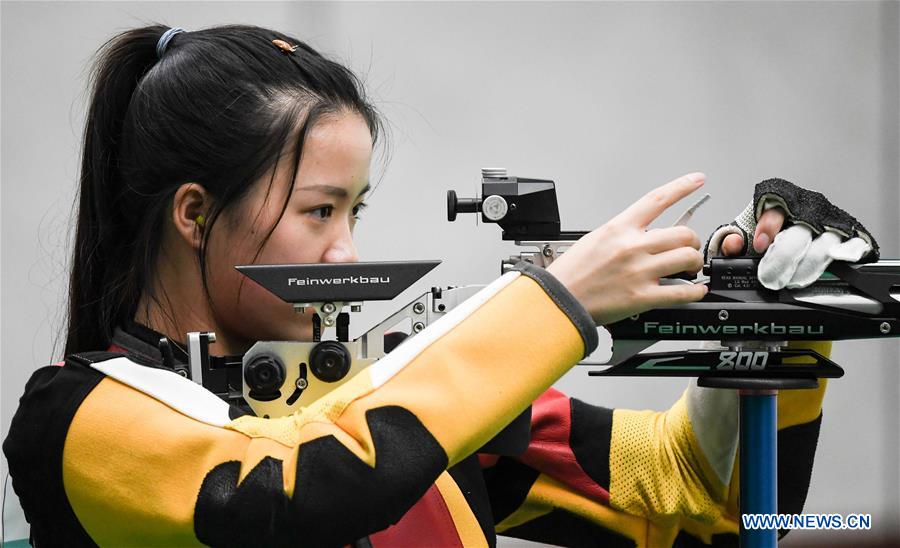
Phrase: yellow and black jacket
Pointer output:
(111, 449)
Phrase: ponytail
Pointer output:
(99, 292)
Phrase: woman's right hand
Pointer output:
(614, 271)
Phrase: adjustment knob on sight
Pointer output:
(495, 207)
(461, 205)
(493, 172)
(451, 205)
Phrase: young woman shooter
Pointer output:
(236, 145)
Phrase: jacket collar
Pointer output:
(138, 339)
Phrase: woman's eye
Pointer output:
(323, 212)
(357, 209)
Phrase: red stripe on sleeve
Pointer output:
(549, 451)
(429, 520)
(487, 461)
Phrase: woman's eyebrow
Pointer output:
(331, 190)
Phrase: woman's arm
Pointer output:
(597, 476)
(141, 464)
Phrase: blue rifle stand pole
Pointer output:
(758, 462)
(758, 447)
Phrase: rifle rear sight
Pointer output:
(526, 210)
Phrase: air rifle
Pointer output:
(753, 323)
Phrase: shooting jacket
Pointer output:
(112, 449)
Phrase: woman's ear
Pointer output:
(190, 206)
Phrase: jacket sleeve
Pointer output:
(618, 477)
(155, 462)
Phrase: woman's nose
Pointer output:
(342, 249)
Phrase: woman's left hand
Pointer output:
(769, 225)
(795, 257)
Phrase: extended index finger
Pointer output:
(642, 212)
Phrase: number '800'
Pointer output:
(742, 361)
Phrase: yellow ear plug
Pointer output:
(200, 220)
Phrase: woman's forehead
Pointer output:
(336, 156)
(339, 139)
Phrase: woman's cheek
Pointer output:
(292, 242)
(257, 314)
(246, 307)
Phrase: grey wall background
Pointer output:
(608, 99)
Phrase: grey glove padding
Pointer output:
(801, 206)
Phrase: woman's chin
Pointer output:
(298, 331)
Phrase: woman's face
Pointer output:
(317, 227)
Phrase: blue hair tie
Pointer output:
(165, 39)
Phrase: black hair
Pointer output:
(218, 108)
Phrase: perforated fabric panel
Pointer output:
(744, 225)
(747, 219)
(657, 469)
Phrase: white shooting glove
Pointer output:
(817, 232)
